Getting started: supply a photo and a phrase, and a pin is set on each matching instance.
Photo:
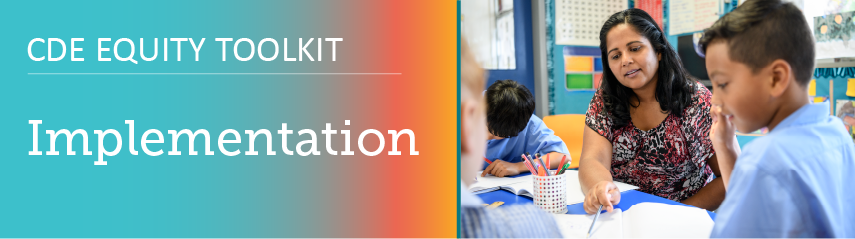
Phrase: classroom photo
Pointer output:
(656, 118)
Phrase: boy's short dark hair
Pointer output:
(761, 31)
(509, 107)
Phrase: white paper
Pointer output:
(643, 220)
(578, 22)
(836, 49)
(685, 16)
(657, 220)
(491, 181)
(506, 51)
(609, 225)
(524, 188)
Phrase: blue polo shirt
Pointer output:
(794, 182)
(535, 138)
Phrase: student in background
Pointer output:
(475, 219)
(515, 130)
(797, 180)
(648, 123)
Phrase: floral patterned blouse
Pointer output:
(669, 160)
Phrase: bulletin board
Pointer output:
(575, 67)
(831, 22)
(578, 22)
(574, 70)
(689, 16)
(837, 87)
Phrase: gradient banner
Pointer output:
(394, 69)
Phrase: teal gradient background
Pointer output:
(216, 195)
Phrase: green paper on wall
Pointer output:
(580, 81)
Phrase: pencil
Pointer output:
(594, 222)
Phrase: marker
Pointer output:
(548, 165)
(539, 171)
(531, 163)
(541, 162)
(528, 165)
(564, 168)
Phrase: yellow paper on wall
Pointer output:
(812, 87)
(578, 64)
(850, 87)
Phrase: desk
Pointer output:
(627, 200)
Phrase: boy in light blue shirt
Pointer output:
(515, 130)
(507, 221)
(795, 181)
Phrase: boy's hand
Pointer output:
(722, 131)
(500, 168)
(722, 134)
(604, 193)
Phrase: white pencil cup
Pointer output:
(550, 193)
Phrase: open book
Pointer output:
(493, 183)
(523, 186)
(643, 220)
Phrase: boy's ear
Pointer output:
(782, 77)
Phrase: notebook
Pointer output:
(523, 186)
(643, 220)
(493, 183)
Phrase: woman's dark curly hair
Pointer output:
(674, 87)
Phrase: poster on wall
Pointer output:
(832, 25)
(505, 54)
(687, 16)
(652, 7)
(846, 112)
(578, 22)
(583, 69)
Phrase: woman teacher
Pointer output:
(648, 123)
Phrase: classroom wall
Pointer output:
(524, 72)
(839, 77)
(566, 101)
(563, 101)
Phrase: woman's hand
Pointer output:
(604, 193)
(500, 168)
